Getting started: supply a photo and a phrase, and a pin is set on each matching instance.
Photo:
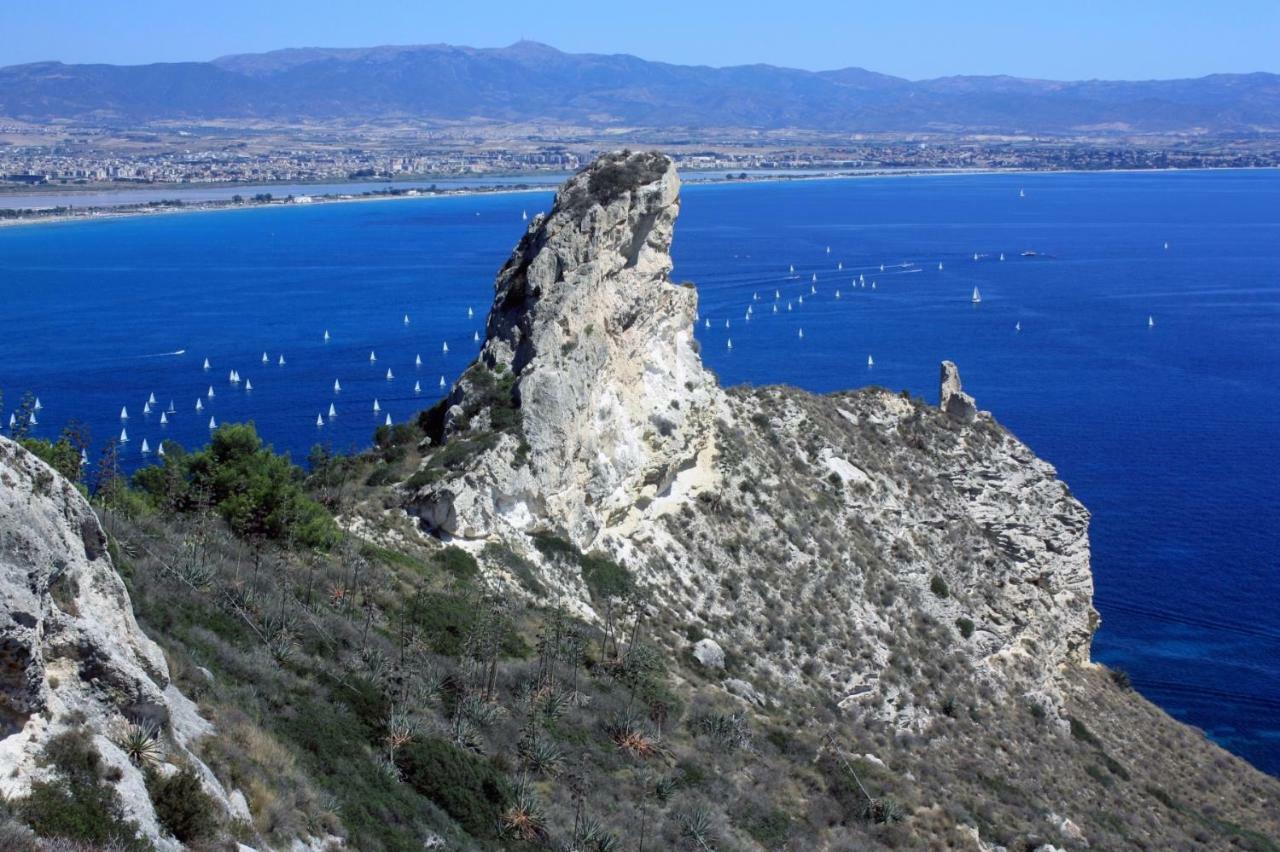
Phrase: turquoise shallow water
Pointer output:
(1168, 434)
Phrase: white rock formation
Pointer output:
(817, 533)
(614, 400)
(69, 645)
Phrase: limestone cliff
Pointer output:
(803, 531)
(70, 649)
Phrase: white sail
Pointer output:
(470, 313)
(417, 361)
(199, 405)
(164, 419)
(38, 406)
(1002, 255)
(871, 362)
(124, 413)
(1166, 246)
(837, 294)
(802, 334)
(213, 424)
(444, 347)
(524, 215)
(1151, 321)
(873, 285)
(417, 387)
(146, 450)
(1022, 193)
(939, 266)
(84, 457)
(151, 400)
(814, 278)
(326, 335)
(977, 297)
(442, 381)
(1017, 326)
(13, 421)
(265, 359)
(729, 343)
(389, 376)
(319, 419)
(172, 410)
(210, 394)
(388, 422)
(160, 450)
(333, 411)
(475, 337)
(124, 436)
(406, 319)
(146, 408)
(828, 249)
(376, 407)
(281, 361)
(775, 308)
(337, 386)
(706, 323)
(372, 357)
(206, 363)
(248, 385)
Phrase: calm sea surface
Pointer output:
(1169, 434)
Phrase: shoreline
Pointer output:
(161, 208)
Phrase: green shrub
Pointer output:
(966, 626)
(182, 806)
(770, 829)
(458, 562)
(77, 803)
(604, 577)
(938, 586)
(465, 786)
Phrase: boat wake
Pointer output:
(165, 354)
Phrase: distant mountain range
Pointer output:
(528, 81)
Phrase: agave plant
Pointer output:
(141, 744)
(523, 819)
(542, 756)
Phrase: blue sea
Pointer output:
(1168, 433)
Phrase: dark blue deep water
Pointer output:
(1168, 434)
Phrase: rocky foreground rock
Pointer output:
(70, 650)
(805, 530)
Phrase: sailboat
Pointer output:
(1017, 326)
(281, 361)
(840, 265)
(234, 378)
(319, 419)
(775, 308)
(199, 405)
(939, 266)
(1002, 255)
(206, 363)
(124, 436)
(444, 347)
(871, 362)
(146, 408)
(337, 386)
(372, 357)
(726, 323)
(417, 361)
(13, 420)
(389, 376)
(376, 407)
(800, 299)
(172, 410)
(265, 359)
(326, 335)
(1022, 193)
(524, 215)
(248, 385)
(777, 295)
(213, 424)
(417, 387)
(828, 249)
(406, 319)
(38, 406)
(1166, 246)
(1151, 321)
(792, 269)
(470, 313)
(32, 421)
(388, 420)
(210, 394)
(151, 400)
(160, 450)
(124, 413)
(146, 450)
(333, 412)
(802, 334)
(873, 285)
(84, 457)
(706, 323)
(442, 381)
(814, 279)
(837, 294)
(475, 337)
(164, 419)
(977, 297)
(975, 255)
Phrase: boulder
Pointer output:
(952, 399)
(709, 653)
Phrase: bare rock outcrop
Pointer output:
(903, 529)
(594, 343)
(70, 648)
(952, 399)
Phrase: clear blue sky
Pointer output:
(1060, 39)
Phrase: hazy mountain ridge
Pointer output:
(529, 81)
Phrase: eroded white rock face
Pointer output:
(613, 397)
(70, 647)
(821, 535)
